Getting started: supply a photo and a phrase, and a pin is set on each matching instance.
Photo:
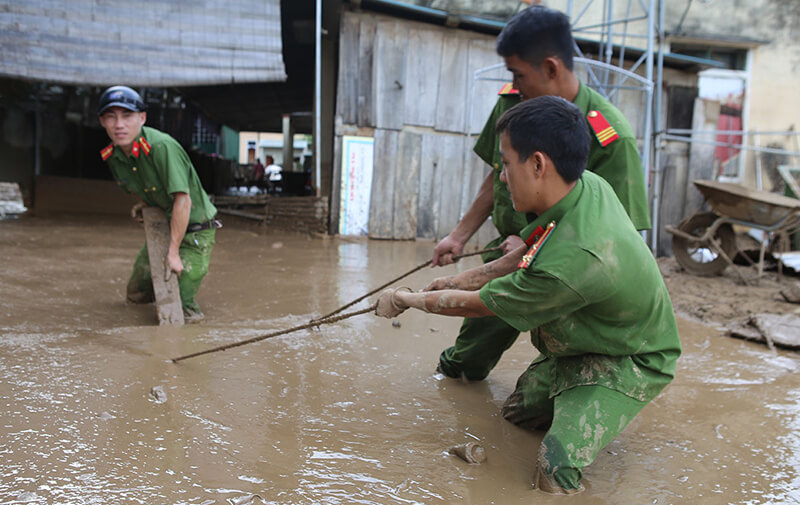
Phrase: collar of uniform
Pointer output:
(556, 212)
(140, 145)
(512, 97)
(582, 98)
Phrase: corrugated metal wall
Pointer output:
(408, 85)
(156, 43)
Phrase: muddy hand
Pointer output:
(511, 243)
(388, 306)
(172, 263)
(441, 283)
(445, 250)
(136, 211)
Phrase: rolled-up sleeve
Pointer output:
(526, 299)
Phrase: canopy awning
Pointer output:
(159, 43)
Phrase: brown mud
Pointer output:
(94, 411)
(724, 300)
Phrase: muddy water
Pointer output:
(352, 413)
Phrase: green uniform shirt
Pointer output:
(487, 147)
(156, 175)
(593, 298)
(618, 162)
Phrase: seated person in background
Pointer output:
(588, 289)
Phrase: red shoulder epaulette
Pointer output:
(146, 147)
(508, 89)
(107, 151)
(604, 132)
(540, 237)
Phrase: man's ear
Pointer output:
(551, 66)
(144, 117)
(539, 164)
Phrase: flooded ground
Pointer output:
(351, 413)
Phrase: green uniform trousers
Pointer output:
(195, 253)
(580, 421)
(479, 345)
(481, 341)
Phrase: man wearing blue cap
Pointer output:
(154, 166)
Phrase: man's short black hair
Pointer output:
(553, 126)
(537, 33)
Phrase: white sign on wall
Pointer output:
(356, 185)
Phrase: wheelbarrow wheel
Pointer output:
(702, 259)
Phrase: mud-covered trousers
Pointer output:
(579, 421)
(479, 345)
(195, 254)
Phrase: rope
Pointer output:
(386, 285)
(276, 333)
(329, 318)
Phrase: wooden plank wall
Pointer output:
(388, 72)
(381, 206)
(409, 85)
(423, 54)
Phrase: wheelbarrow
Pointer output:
(705, 243)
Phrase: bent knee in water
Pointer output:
(523, 418)
(139, 297)
(455, 368)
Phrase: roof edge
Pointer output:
(493, 27)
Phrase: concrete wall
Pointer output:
(774, 101)
(769, 28)
(776, 64)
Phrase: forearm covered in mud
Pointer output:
(448, 302)
(476, 278)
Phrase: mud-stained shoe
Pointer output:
(192, 316)
(546, 485)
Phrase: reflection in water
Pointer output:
(348, 413)
(351, 282)
(784, 457)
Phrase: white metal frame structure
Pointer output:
(607, 72)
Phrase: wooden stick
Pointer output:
(386, 285)
(276, 333)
